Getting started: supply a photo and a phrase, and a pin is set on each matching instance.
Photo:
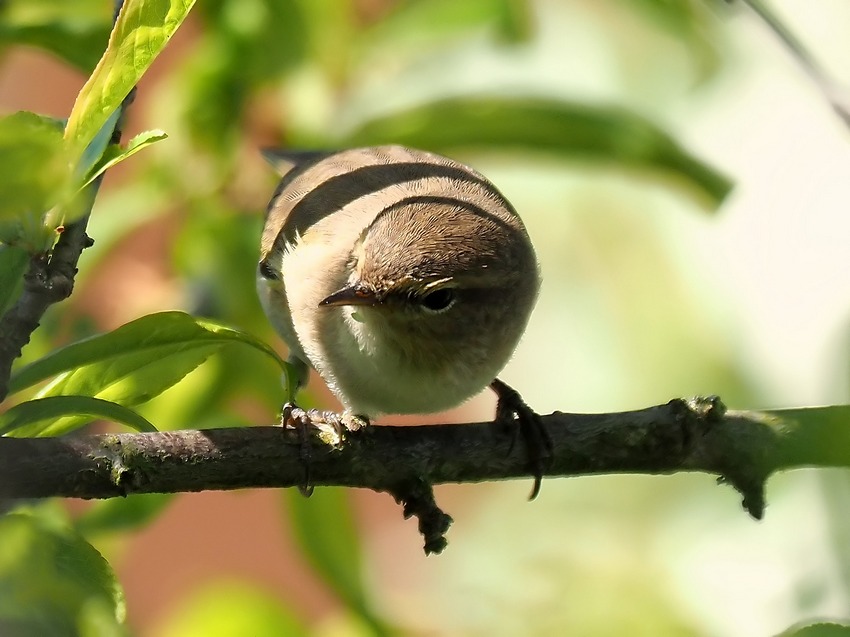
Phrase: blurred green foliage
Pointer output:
(225, 609)
(557, 127)
(52, 582)
(325, 528)
(122, 514)
(295, 72)
(75, 32)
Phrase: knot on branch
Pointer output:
(707, 408)
(122, 475)
(706, 419)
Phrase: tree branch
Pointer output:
(743, 448)
(49, 279)
(51, 274)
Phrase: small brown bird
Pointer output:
(404, 278)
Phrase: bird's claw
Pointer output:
(332, 427)
(510, 409)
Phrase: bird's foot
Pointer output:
(510, 409)
(331, 426)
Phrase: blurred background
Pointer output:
(655, 286)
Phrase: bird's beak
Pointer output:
(351, 295)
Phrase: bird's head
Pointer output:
(441, 280)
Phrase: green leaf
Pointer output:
(158, 340)
(224, 609)
(565, 129)
(122, 514)
(13, 264)
(819, 629)
(97, 146)
(115, 154)
(325, 528)
(43, 415)
(130, 378)
(141, 32)
(129, 365)
(36, 174)
(52, 582)
(75, 31)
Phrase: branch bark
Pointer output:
(742, 448)
(49, 279)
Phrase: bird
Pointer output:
(403, 277)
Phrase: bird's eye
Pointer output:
(266, 271)
(438, 300)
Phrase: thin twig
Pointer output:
(806, 60)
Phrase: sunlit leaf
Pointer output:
(139, 35)
(140, 343)
(565, 129)
(129, 379)
(325, 528)
(225, 609)
(116, 154)
(52, 582)
(75, 31)
(122, 514)
(33, 417)
(129, 365)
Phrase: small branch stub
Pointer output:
(417, 499)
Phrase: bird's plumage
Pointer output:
(405, 278)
